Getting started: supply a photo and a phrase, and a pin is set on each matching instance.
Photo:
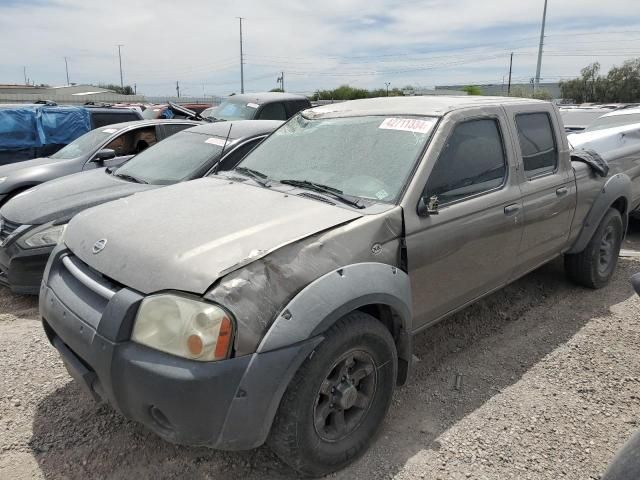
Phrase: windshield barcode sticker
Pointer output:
(415, 125)
(110, 130)
(215, 141)
(252, 105)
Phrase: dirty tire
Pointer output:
(594, 266)
(356, 344)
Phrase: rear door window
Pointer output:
(295, 106)
(537, 143)
(471, 162)
(230, 161)
(273, 111)
(170, 129)
(101, 119)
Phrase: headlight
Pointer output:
(184, 327)
(46, 236)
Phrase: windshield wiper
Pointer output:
(257, 176)
(318, 187)
(130, 178)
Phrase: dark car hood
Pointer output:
(62, 198)
(186, 236)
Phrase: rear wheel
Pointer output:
(595, 265)
(337, 401)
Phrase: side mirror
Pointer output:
(428, 206)
(104, 154)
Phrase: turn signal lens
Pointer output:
(224, 339)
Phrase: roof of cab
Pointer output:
(239, 128)
(426, 105)
(266, 97)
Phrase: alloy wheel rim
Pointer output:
(345, 396)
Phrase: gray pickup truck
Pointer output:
(277, 302)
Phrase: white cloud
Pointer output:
(316, 44)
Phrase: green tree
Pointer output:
(472, 90)
(278, 90)
(126, 90)
(346, 92)
(621, 84)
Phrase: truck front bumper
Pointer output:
(227, 405)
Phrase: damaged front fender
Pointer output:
(258, 292)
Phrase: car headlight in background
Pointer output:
(185, 327)
(45, 236)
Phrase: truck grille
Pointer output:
(89, 277)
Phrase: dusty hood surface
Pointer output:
(62, 198)
(36, 162)
(186, 236)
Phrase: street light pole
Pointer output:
(241, 59)
(120, 59)
(510, 70)
(536, 85)
(66, 67)
(387, 85)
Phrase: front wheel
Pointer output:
(338, 399)
(594, 266)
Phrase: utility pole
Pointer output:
(387, 85)
(536, 85)
(178, 88)
(135, 88)
(241, 59)
(280, 80)
(66, 67)
(24, 70)
(120, 59)
(510, 70)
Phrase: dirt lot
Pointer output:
(549, 388)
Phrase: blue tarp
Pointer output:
(35, 126)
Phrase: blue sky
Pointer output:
(364, 43)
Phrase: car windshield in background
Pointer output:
(613, 121)
(233, 110)
(368, 157)
(152, 113)
(85, 144)
(172, 160)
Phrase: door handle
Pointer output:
(562, 191)
(512, 209)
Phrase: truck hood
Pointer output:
(62, 198)
(186, 236)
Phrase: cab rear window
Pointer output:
(537, 143)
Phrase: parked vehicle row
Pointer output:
(277, 301)
(33, 222)
(108, 146)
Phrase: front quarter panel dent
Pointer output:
(335, 294)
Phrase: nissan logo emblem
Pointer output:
(99, 245)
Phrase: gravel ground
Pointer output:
(538, 381)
